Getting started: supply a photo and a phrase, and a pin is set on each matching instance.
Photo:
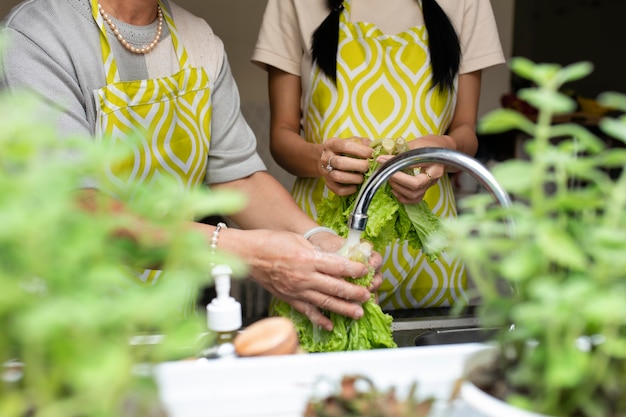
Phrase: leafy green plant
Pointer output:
(351, 399)
(69, 302)
(562, 344)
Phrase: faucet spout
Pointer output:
(358, 217)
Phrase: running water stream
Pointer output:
(353, 238)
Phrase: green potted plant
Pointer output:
(560, 252)
(71, 312)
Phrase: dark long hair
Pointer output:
(445, 50)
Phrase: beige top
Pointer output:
(285, 36)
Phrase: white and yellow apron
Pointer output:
(383, 90)
(171, 115)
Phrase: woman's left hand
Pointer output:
(343, 164)
(410, 189)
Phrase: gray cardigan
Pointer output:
(54, 49)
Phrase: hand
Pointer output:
(410, 189)
(329, 242)
(344, 163)
(306, 277)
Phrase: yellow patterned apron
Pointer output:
(383, 90)
(172, 116)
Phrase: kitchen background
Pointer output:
(561, 31)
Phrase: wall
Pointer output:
(568, 31)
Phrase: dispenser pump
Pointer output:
(223, 312)
(223, 318)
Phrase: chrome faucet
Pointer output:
(461, 161)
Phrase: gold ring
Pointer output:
(427, 174)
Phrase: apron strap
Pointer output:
(181, 52)
(110, 66)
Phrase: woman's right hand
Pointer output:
(308, 278)
(344, 162)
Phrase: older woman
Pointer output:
(115, 68)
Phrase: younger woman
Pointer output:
(369, 69)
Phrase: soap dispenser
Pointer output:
(223, 317)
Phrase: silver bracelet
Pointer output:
(307, 235)
(216, 235)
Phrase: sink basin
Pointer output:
(437, 326)
(450, 336)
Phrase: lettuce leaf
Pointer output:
(388, 219)
(372, 331)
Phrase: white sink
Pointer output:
(281, 386)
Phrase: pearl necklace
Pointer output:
(124, 42)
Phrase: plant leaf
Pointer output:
(560, 247)
(502, 120)
(546, 100)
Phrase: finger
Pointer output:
(377, 281)
(410, 191)
(408, 195)
(408, 186)
(313, 314)
(350, 163)
(376, 260)
(355, 148)
(333, 265)
(410, 199)
(340, 189)
(327, 242)
(362, 141)
(383, 158)
(345, 290)
(337, 288)
(323, 165)
(346, 177)
(336, 304)
(410, 180)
